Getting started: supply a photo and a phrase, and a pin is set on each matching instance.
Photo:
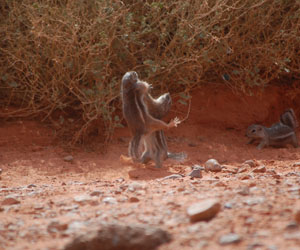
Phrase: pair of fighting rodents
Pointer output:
(143, 114)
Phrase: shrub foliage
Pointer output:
(63, 60)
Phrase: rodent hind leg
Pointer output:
(295, 141)
(134, 147)
(181, 156)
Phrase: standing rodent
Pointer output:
(279, 134)
(141, 123)
(155, 144)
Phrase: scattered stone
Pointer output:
(38, 207)
(249, 221)
(260, 169)
(192, 144)
(297, 216)
(68, 158)
(85, 199)
(254, 246)
(96, 193)
(118, 191)
(220, 184)
(212, 165)
(229, 239)
(255, 200)
(242, 169)
(136, 186)
(120, 180)
(296, 164)
(55, 227)
(115, 236)
(10, 200)
(204, 210)
(110, 200)
(245, 177)
(31, 186)
(134, 199)
(70, 208)
(231, 170)
(196, 173)
(272, 247)
(250, 163)
(228, 205)
(252, 184)
(292, 225)
(172, 177)
(292, 236)
(244, 191)
(273, 173)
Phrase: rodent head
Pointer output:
(130, 76)
(143, 87)
(255, 131)
(129, 81)
(165, 98)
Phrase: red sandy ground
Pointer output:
(215, 129)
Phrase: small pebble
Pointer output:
(203, 211)
(212, 165)
(229, 239)
(69, 158)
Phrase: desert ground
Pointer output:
(51, 192)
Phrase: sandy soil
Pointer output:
(45, 200)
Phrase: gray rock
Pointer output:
(212, 165)
(244, 190)
(110, 200)
(86, 199)
(196, 173)
(68, 158)
(116, 237)
(172, 177)
(255, 200)
(228, 205)
(203, 211)
(229, 239)
(136, 186)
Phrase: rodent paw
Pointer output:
(176, 121)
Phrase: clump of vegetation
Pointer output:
(63, 60)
